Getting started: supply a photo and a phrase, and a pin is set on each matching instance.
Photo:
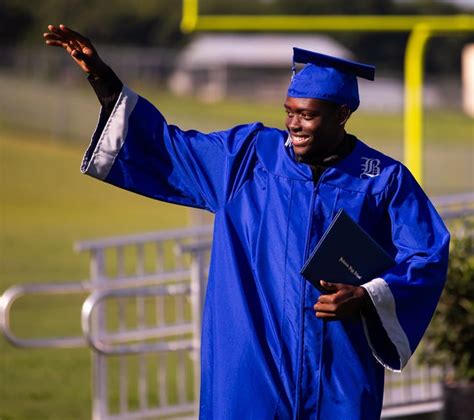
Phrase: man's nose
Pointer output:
(294, 123)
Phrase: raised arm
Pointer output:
(133, 147)
(104, 81)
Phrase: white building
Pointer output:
(215, 65)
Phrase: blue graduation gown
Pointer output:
(264, 353)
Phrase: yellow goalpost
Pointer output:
(421, 28)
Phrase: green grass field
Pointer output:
(47, 205)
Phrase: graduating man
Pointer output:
(274, 346)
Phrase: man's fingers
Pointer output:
(66, 29)
(52, 35)
(326, 316)
(78, 54)
(73, 38)
(326, 298)
(328, 312)
(324, 307)
(328, 286)
(57, 31)
(79, 47)
(79, 43)
(53, 43)
(331, 286)
(75, 35)
(59, 38)
(56, 35)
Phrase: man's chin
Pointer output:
(303, 150)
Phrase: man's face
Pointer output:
(314, 126)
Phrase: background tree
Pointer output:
(147, 23)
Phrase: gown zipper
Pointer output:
(314, 190)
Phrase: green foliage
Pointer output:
(123, 22)
(46, 205)
(450, 338)
(146, 23)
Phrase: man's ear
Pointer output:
(343, 114)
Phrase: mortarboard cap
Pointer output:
(330, 78)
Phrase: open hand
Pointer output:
(341, 301)
(79, 48)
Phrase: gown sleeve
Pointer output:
(134, 148)
(405, 296)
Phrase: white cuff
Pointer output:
(101, 154)
(384, 303)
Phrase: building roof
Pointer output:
(254, 50)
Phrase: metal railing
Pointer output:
(160, 279)
(416, 390)
(126, 271)
(173, 327)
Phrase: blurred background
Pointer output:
(205, 81)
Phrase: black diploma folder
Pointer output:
(346, 254)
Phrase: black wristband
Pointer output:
(107, 89)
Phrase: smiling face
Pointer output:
(316, 127)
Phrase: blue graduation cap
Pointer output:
(330, 78)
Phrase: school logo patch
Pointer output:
(370, 167)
